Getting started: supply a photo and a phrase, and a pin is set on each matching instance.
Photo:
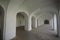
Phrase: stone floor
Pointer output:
(43, 32)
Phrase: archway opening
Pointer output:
(1, 22)
(20, 21)
(46, 21)
(21, 24)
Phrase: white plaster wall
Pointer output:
(20, 21)
(11, 19)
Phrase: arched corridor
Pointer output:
(30, 19)
(42, 32)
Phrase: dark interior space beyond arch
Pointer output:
(1, 22)
(46, 22)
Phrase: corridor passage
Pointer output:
(43, 32)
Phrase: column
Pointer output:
(55, 23)
(28, 24)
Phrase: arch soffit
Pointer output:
(3, 7)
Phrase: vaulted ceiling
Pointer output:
(37, 6)
(44, 5)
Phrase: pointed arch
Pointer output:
(25, 17)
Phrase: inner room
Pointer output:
(20, 20)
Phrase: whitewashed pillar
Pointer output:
(28, 24)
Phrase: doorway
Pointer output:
(46, 21)
(20, 20)
(1, 22)
(21, 24)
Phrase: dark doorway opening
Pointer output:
(1, 22)
(46, 22)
